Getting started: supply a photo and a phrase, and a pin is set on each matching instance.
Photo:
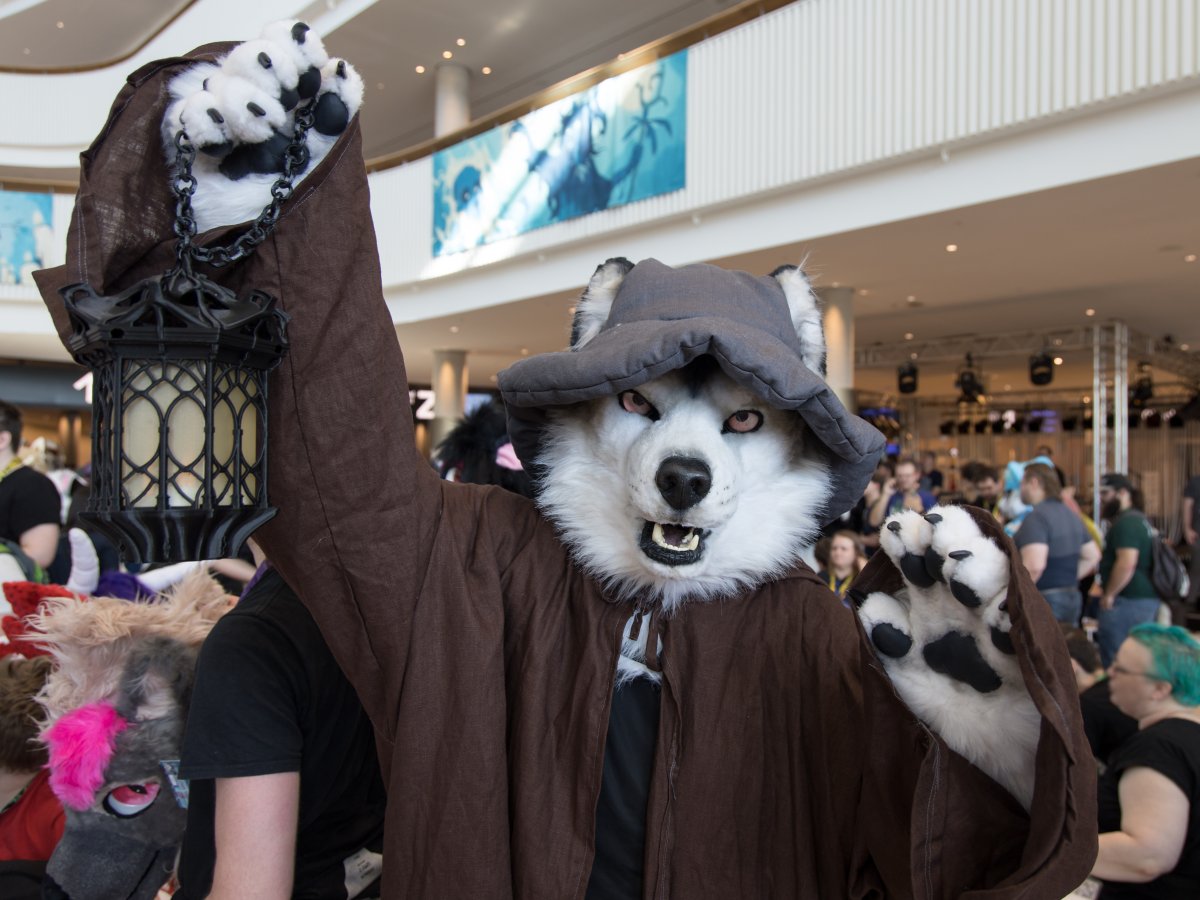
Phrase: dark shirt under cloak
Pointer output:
(785, 764)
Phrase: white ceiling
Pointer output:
(1030, 263)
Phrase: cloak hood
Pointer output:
(660, 320)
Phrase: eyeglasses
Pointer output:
(1118, 669)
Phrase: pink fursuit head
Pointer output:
(81, 745)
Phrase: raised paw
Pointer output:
(944, 641)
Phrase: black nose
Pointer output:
(683, 481)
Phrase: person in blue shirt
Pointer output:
(901, 492)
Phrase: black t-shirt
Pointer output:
(27, 499)
(1193, 490)
(270, 698)
(1106, 726)
(1170, 747)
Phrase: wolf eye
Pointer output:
(129, 800)
(632, 401)
(743, 422)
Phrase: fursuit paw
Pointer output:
(944, 641)
(240, 114)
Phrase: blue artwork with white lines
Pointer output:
(620, 141)
(26, 235)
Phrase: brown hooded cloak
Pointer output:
(786, 765)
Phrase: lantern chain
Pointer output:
(184, 186)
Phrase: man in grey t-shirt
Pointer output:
(1055, 546)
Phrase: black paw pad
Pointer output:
(964, 595)
(331, 116)
(309, 83)
(934, 563)
(220, 150)
(289, 98)
(956, 656)
(913, 568)
(1002, 641)
(257, 159)
(890, 640)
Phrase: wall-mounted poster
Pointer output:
(620, 141)
(26, 235)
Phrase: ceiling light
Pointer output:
(952, 248)
(379, 85)
(862, 292)
(1041, 369)
(26, 51)
(486, 70)
(60, 25)
(524, 351)
(462, 42)
(420, 70)
(1191, 257)
(1184, 347)
(1008, 387)
(837, 284)
(911, 298)
(1058, 342)
(446, 54)
(912, 356)
(1058, 360)
(454, 329)
(906, 379)
(1089, 312)
(908, 335)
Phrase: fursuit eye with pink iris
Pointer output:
(129, 800)
(744, 421)
(632, 401)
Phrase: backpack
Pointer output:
(1168, 574)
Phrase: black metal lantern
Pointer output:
(180, 365)
(179, 429)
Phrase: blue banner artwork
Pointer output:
(26, 235)
(622, 140)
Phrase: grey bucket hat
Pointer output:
(660, 320)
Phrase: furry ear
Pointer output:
(806, 315)
(591, 312)
(157, 679)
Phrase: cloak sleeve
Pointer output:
(358, 507)
(963, 830)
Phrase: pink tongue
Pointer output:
(675, 534)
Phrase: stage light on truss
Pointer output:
(1041, 369)
(969, 384)
(906, 378)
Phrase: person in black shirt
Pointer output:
(1106, 726)
(286, 798)
(1149, 797)
(29, 503)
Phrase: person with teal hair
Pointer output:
(1149, 796)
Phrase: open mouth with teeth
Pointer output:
(673, 545)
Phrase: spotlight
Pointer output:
(964, 427)
(1153, 418)
(1143, 389)
(906, 378)
(1041, 369)
(1070, 423)
(982, 426)
(968, 383)
(1189, 410)
(946, 428)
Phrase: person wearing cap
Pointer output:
(1126, 592)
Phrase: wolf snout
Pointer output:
(683, 481)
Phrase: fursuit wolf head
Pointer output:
(687, 445)
(115, 707)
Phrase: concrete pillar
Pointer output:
(450, 393)
(452, 104)
(839, 342)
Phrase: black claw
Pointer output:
(1003, 606)
(893, 527)
(890, 640)
(299, 32)
(341, 68)
(960, 554)
(256, 109)
(1002, 641)
(913, 569)
(965, 595)
(264, 60)
(956, 656)
(216, 116)
(933, 518)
